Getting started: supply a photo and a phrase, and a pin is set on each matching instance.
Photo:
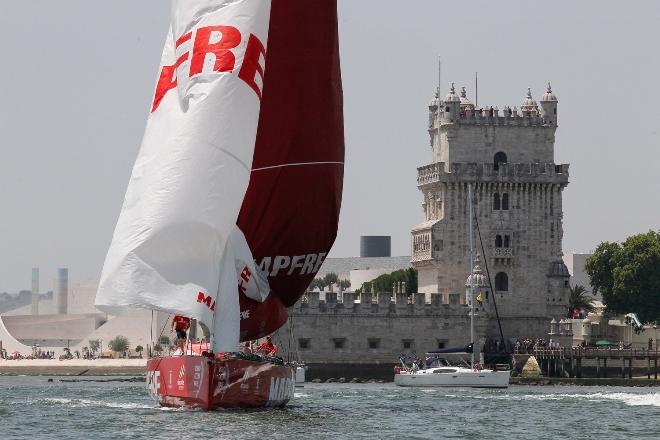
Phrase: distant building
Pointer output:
(575, 264)
(35, 291)
(54, 330)
(360, 270)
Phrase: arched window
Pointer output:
(496, 201)
(499, 158)
(498, 241)
(505, 201)
(502, 282)
(507, 241)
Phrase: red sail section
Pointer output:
(290, 212)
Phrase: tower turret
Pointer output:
(549, 107)
(528, 106)
(466, 105)
(477, 281)
(452, 106)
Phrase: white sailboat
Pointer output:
(439, 373)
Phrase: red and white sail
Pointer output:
(248, 94)
(169, 249)
(291, 208)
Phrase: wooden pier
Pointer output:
(571, 362)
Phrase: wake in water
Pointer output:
(81, 403)
(630, 399)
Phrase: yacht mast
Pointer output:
(471, 275)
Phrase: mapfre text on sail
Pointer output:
(221, 42)
(284, 264)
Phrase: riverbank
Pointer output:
(73, 367)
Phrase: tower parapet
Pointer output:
(459, 110)
(440, 172)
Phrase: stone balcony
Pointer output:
(503, 252)
(440, 172)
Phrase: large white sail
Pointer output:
(170, 248)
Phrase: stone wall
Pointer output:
(377, 329)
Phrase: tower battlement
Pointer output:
(459, 110)
(487, 172)
(382, 303)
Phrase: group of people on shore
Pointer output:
(528, 345)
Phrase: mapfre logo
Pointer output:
(220, 42)
(181, 381)
(207, 300)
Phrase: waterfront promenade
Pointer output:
(73, 367)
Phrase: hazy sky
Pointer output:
(77, 77)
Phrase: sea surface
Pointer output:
(33, 408)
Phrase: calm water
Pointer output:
(33, 408)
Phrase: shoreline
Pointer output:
(73, 367)
(137, 367)
(586, 381)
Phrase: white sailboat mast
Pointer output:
(471, 275)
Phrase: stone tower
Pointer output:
(508, 157)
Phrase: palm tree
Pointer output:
(580, 300)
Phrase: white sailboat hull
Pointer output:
(300, 375)
(458, 377)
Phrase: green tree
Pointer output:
(580, 299)
(158, 349)
(316, 283)
(94, 345)
(627, 275)
(119, 344)
(139, 350)
(164, 340)
(329, 279)
(384, 282)
(344, 284)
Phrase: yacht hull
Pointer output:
(210, 383)
(473, 379)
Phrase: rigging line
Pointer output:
(161, 334)
(490, 284)
(288, 354)
(296, 164)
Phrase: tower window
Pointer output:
(499, 158)
(496, 202)
(408, 343)
(374, 343)
(507, 241)
(339, 342)
(303, 343)
(502, 282)
(505, 201)
(498, 241)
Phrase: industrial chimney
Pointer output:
(62, 290)
(35, 291)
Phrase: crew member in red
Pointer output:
(181, 324)
(267, 347)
